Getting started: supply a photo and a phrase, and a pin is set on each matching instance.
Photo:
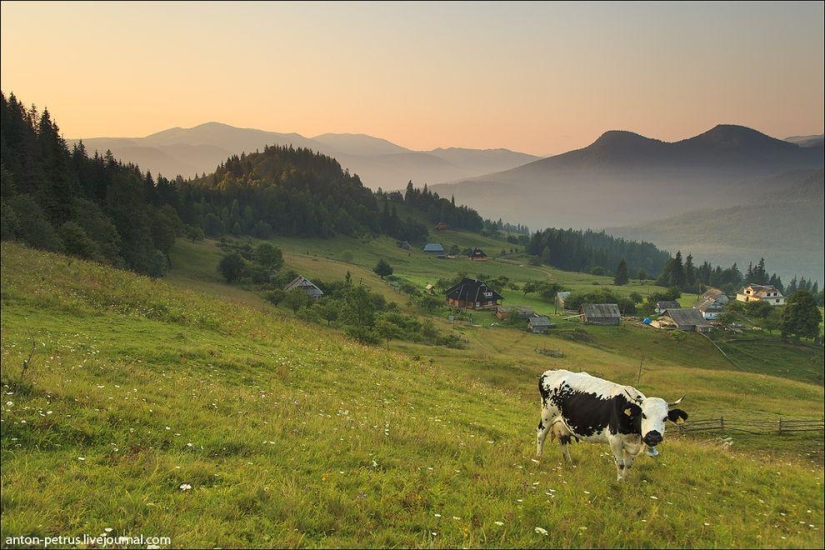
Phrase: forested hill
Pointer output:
(292, 192)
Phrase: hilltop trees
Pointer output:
(801, 317)
(94, 208)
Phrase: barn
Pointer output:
(688, 319)
(305, 285)
(600, 314)
(539, 324)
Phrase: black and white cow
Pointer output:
(577, 405)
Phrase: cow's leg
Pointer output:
(628, 462)
(564, 441)
(616, 447)
(543, 429)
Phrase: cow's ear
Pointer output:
(631, 410)
(677, 415)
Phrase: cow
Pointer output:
(576, 405)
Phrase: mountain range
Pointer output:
(378, 163)
(673, 195)
(731, 194)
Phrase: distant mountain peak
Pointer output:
(614, 138)
(735, 136)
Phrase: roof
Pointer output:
(668, 304)
(304, 284)
(685, 316)
(477, 252)
(563, 294)
(761, 290)
(540, 321)
(603, 311)
(710, 304)
(712, 293)
(472, 290)
(433, 247)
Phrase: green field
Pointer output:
(119, 390)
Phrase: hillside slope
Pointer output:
(135, 407)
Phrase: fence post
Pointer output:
(722, 422)
(780, 424)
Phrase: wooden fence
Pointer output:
(758, 427)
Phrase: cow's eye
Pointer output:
(644, 416)
(664, 419)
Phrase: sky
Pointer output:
(536, 77)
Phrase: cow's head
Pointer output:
(653, 413)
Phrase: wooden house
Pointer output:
(600, 314)
(716, 295)
(473, 294)
(477, 254)
(666, 304)
(304, 284)
(436, 249)
(539, 324)
(710, 309)
(765, 293)
(441, 226)
(688, 319)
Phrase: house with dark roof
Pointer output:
(477, 254)
(305, 285)
(436, 249)
(688, 319)
(473, 294)
(600, 314)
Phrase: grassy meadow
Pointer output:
(191, 409)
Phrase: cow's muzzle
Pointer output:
(653, 438)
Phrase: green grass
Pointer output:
(292, 436)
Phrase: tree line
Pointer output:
(94, 207)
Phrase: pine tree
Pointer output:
(621, 277)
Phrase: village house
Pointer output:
(716, 295)
(666, 304)
(473, 294)
(710, 309)
(600, 314)
(688, 319)
(539, 324)
(766, 293)
(304, 284)
(441, 226)
(477, 254)
(436, 249)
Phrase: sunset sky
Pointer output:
(540, 78)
